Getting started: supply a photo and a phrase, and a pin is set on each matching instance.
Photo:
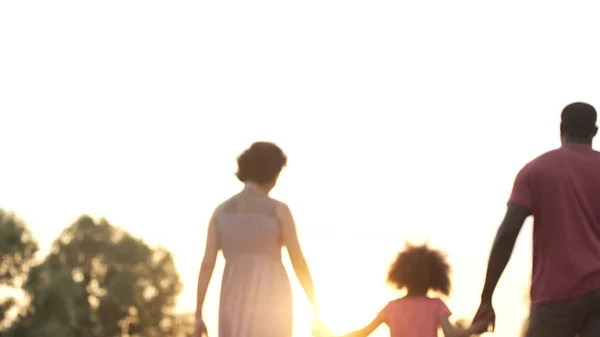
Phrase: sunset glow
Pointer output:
(401, 122)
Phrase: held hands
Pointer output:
(200, 328)
(479, 327)
(485, 319)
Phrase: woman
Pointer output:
(250, 228)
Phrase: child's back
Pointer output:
(419, 270)
(417, 316)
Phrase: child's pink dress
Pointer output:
(414, 316)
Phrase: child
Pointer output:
(419, 269)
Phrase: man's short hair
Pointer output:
(579, 120)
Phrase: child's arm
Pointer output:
(366, 331)
(452, 331)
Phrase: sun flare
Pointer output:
(342, 309)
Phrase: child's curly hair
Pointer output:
(420, 269)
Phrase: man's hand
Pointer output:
(485, 313)
(200, 328)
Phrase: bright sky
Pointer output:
(401, 121)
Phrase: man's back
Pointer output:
(561, 188)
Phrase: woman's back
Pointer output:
(256, 299)
(248, 227)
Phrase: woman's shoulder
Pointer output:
(220, 208)
(228, 205)
(279, 204)
(282, 210)
(244, 202)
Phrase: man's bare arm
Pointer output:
(503, 246)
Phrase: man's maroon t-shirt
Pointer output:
(561, 188)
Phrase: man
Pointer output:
(561, 190)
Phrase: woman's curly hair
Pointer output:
(261, 163)
(420, 269)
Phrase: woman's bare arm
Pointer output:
(208, 264)
(290, 240)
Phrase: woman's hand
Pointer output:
(200, 328)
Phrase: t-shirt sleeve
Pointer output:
(444, 311)
(522, 191)
(384, 313)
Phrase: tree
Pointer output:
(98, 281)
(17, 251)
(181, 325)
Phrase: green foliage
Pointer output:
(17, 249)
(180, 325)
(17, 252)
(100, 281)
(5, 306)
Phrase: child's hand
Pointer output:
(480, 326)
(486, 313)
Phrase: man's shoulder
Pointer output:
(546, 158)
(559, 155)
(549, 155)
(540, 163)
